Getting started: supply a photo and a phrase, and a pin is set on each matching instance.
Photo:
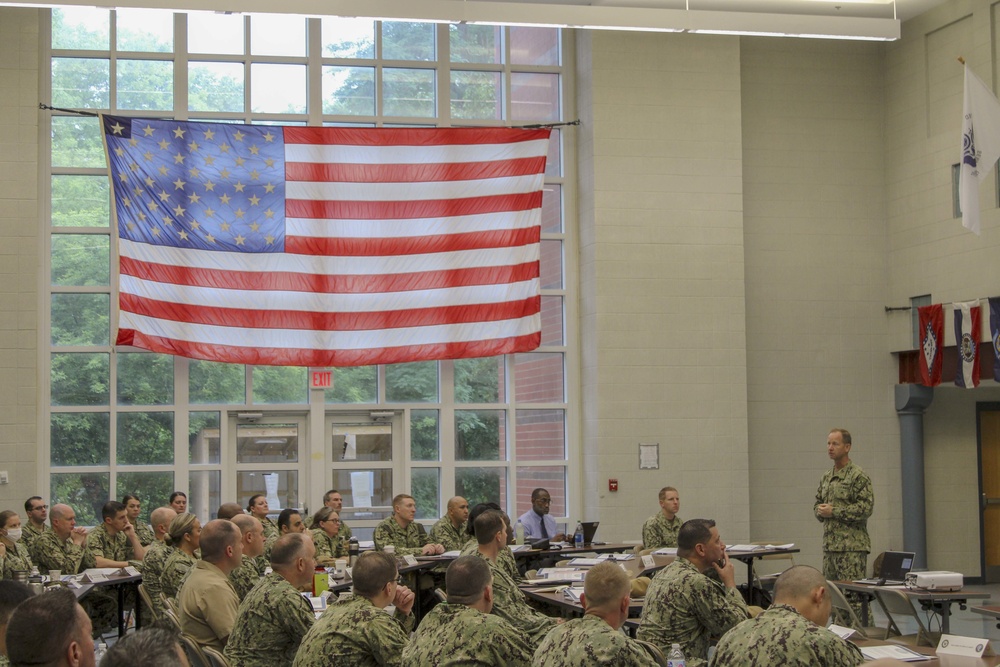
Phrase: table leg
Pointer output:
(138, 607)
(121, 610)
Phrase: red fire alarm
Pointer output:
(612, 485)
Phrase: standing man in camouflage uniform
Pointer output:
(156, 556)
(449, 531)
(356, 631)
(114, 543)
(844, 501)
(133, 507)
(274, 617)
(248, 574)
(595, 639)
(462, 631)
(403, 532)
(62, 547)
(683, 605)
(791, 632)
(660, 530)
(37, 512)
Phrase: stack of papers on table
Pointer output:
(520, 547)
(584, 562)
(451, 554)
(562, 574)
(573, 593)
(616, 557)
(892, 651)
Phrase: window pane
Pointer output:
(553, 164)
(348, 38)
(212, 382)
(278, 35)
(425, 487)
(411, 383)
(215, 87)
(380, 483)
(81, 28)
(145, 379)
(475, 43)
(153, 489)
(205, 494)
(538, 378)
(476, 95)
(145, 84)
(279, 384)
(145, 30)
(349, 91)
(356, 384)
(479, 380)
(145, 438)
(277, 88)
(552, 320)
(203, 437)
(285, 491)
(267, 443)
(551, 264)
(80, 201)
(76, 142)
(372, 442)
(215, 33)
(408, 92)
(407, 41)
(534, 46)
(81, 259)
(424, 435)
(480, 435)
(85, 492)
(552, 478)
(81, 83)
(482, 485)
(541, 435)
(534, 97)
(80, 439)
(80, 379)
(81, 319)
(552, 208)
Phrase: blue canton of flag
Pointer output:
(207, 186)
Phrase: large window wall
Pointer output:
(125, 421)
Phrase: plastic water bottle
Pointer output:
(578, 536)
(676, 657)
(519, 532)
(99, 650)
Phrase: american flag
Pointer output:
(309, 246)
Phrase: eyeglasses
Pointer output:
(333, 520)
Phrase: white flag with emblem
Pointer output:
(980, 145)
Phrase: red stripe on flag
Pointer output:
(318, 321)
(408, 210)
(328, 284)
(398, 136)
(412, 173)
(299, 357)
(413, 245)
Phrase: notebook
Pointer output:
(895, 566)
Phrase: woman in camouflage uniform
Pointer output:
(326, 536)
(13, 555)
(184, 535)
(259, 509)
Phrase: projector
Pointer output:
(940, 580)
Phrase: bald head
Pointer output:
(60, 511)
(458, 511)
(218, 540)
(251, 534)
(229, 510)
(804, 588)
(160, 519)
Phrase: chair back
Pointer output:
(215, 659)
(193, 652)
(170, 603)
(896, 604)
(839, 602)
(654, 652)
(172, 618)
(148, 601)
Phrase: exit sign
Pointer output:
(320, 378)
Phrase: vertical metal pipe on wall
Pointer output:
(912, 400)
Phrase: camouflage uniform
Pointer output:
(101, 543)
(782, 637)
(683, 606)
(15, 559)
(328, 549)
(271, 531)
(505, 560)
(345, 531)
(175, 572)
(29, 534)
(509, 604)
(355, 633)
(443, 532)
(153, 565)
(659, 532)
(245, 577)
(270, 625)
(409, 540)
(590, 641)
(51, 553)
(454, 635)
(145, 533)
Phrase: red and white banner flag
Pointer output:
(967, 335)
(931, 342)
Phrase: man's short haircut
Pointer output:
(328, 495)
(245, 523)
(229, 510)
(287, 548)
(215, 537)
(400, 497)
(665, 490)
(29, 502)
(605, 585)
(692, 533)
(372, 571)
(466, 579)
(537, 492)
(129, 496)
(153, 646)
(844, 434)
(12, 593)
(42, 627)
(177, 494)
(285, 518)
(56, 513)
(488, 524)
(470, 528)
(160, 514)
(796, 583)
(111, 509)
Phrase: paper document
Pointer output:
(897, 652)
(757, 547)
(616, 557)
(573, 593)
(451, 554)
(350, 447)
(840, 630)
(361, 487)
(520, 547)
(584, 562)
(562, 574)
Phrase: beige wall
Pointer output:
(19, 253)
